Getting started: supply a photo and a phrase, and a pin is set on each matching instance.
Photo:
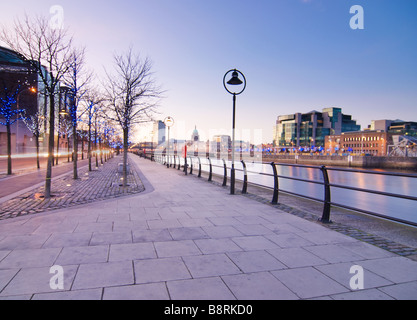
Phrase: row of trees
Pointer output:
(127, 97)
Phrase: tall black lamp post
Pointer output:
(235, 82)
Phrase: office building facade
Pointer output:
(369, 142)
(381, 138)
(310, 129)
(158, 133)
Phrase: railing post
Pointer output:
(179, 163)
(199, 167)
(211, 171)
(191, 166)
(185, 166)
(276, 184)
(174, 162)
(225, 173)
(245, 178)
(327, 196)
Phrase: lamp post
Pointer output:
(169, 122)
(234, 81)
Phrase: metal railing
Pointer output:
(188, 164)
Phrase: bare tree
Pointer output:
(77, 79)
(64, 131)
(93, 105)
(132, 95)
(49, 50)
(34, 124)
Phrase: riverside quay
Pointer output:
(174, 235)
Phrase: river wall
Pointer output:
(365, 162)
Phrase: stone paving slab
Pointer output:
(183, 238)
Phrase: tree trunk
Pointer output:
(75, 151)
(48, 181)
(9, 149)
(101, 150)
(57, 148)
(37, 151)
(89, 148)
(125, 148)
(96, 155)
(95, 144)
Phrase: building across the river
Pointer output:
(309, 130)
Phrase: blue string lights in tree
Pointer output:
(9, 98)
(7, 101)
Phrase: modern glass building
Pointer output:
(310, 129)
(18, 91)
(159, 133)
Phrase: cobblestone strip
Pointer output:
(102, 183)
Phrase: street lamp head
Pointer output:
(169, 122)
(235, 81)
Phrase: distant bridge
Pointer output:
(404, 146)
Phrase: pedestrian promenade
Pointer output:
(185, 239)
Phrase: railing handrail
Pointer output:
(385, 173)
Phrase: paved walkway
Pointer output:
(186, 239)
(28, 178)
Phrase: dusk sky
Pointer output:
(297, 55)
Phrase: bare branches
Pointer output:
(77, 79)
(132, 95)
(131, 90)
